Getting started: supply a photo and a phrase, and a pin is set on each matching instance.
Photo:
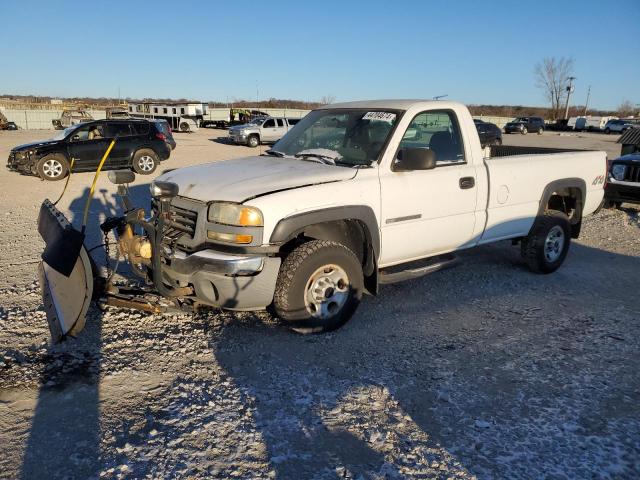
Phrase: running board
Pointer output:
(422, 267)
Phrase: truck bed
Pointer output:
(510, 150)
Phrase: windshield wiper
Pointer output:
(275, 153)
(317, 157)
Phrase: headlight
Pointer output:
(618, 172)
(235, 214)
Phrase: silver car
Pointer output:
(619, 126)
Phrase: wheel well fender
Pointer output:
(557, 193)
(355, 226)
(142, 147)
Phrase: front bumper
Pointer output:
(616, 192)
(235, 282)
(238, 138)
(19, 164)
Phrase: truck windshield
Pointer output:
(342, 136)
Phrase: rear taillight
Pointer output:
(161, 136)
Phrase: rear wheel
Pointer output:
(497, 141)
(547, 245)
(53, 167)
(253, 141)
(319, 287)
(540, 130)
(145, 162)
(184, 127)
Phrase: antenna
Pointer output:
(438, 97)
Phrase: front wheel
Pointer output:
(145, 162)
(52, 167)
(253, 141)
(607, 130)
(547, 245)
(524, 131)
(319, 287)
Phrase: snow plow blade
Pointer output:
(66, 276)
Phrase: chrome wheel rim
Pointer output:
(146, 163)
(52, 168)
(554, 244)
(327, 291)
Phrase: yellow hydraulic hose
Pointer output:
(93, 185)
(66, 182)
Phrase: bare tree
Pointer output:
(327, 99)
(552, 77)
(626, 109)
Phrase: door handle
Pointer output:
(467, 182)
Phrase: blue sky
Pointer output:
(474, 51)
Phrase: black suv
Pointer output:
(525, 125)
(489, 133)
(141, 145)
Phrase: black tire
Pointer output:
(253, 141)
(607, 131)
(524, 131)
(540, 131)
(185, 127)
(497, 141)
(617, 205)
(53, 167)
(538, 247)
(145, 161)
(318, 263)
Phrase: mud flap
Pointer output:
(66, 276)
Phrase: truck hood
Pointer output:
(244, 178)
(244, 126)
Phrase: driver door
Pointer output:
(269, 131)
(429, 212)
(87, 145)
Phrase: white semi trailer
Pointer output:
(183, 117)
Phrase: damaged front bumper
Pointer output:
(235, 282)
(19, 163)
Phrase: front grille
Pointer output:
(632, 173)
(182, 223)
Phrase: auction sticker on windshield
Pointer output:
(380, 116)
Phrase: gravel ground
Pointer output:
(485, 370)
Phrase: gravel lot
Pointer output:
(485, 370)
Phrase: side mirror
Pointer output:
(75, 138)
(120, 177)
(414, 159)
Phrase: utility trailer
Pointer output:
(181, 116)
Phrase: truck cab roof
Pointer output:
(395, 104)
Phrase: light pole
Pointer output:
(586, 105)
(570, 89)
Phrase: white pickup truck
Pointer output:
(354, 196)
(261, 130)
